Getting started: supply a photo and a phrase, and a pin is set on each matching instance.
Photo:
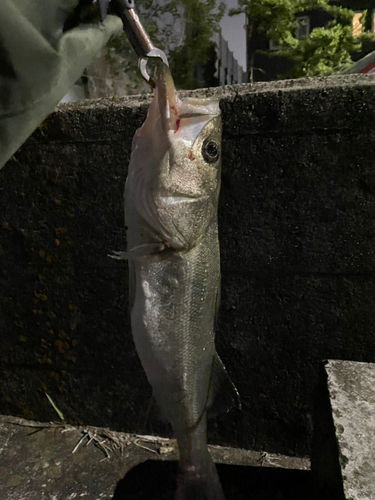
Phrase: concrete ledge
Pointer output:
(40, 461)
(297, 237)
(344, 445)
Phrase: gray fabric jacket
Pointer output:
(39, 62)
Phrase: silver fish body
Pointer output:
(171, 200)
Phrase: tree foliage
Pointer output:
(190, 60)
(325, 51)
(183, 29)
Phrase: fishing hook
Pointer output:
(137, 35)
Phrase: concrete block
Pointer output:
(49, 461)
(344, 437)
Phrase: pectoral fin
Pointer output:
(139, 251)
(223, 394)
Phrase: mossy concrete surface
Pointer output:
(344, 452)
(297, 237)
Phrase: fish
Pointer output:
(171, 203)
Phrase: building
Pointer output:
(229, 71)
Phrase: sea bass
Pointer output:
(171, 201)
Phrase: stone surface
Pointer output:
(297, 237)
(60, 462)
(350, 460)
(325, 463)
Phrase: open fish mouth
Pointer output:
(167, 97)
(181, 119)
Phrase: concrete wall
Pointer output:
(297, 232)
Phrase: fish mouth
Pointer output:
(166, 93)
(177, 115)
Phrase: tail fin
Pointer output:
(202, 484)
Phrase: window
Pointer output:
(274, 46)
(303, 29)
(356, 24)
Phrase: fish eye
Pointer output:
(210, 150)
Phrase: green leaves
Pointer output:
(326, 50)
(189, 62)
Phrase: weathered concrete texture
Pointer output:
(325, 463)
(38, 464)
(348, 464)
(60, 462)
(297, 233)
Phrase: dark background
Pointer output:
(297, 237)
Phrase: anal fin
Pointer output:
(223, 394)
